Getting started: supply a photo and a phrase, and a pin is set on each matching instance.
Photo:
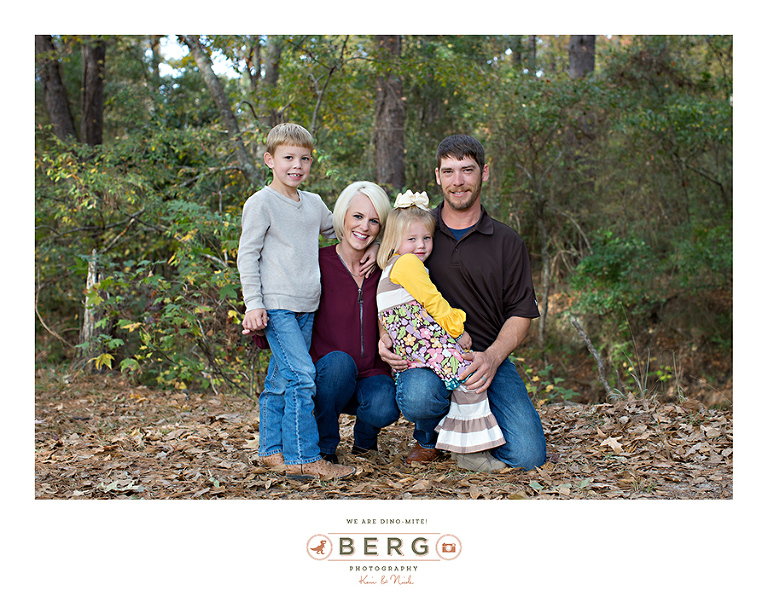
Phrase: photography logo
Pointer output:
(410, 547)
(319, 547)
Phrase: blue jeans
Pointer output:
(286, 423)
(424, 400)
(370, 399)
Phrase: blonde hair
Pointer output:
(374, 192)
(289, 133)
(399, 222)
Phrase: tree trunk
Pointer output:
(263, 87)
(389, 134)
(272, 57)
(225, 110)
(581, 54)
(54, 92)
(517, 50)
(532, 54)
(154, 45)
(92, 124)
(546, 274)
(272, 60)
(90, 314)
(253, 64)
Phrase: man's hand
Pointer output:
(482, 370)
(485, 364)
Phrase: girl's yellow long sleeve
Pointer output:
(411, 273)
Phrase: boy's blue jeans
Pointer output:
(424, 400)
(370, 399)
(286, 422)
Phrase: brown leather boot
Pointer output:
(319, 469)
(422, 454)
(272, 461)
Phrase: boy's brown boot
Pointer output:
(273, 461)
(319, 469)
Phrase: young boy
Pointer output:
(280, 276)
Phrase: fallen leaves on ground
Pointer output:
(99, 438)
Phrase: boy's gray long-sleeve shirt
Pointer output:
(278, 253)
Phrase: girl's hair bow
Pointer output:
(409, 199)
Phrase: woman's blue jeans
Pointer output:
(370, 399)
(286, 423)
(424, 400)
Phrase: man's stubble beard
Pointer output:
(466, 205)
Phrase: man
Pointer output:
(480, 266)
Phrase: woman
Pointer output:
(351, 377)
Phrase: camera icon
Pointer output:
(448, 547)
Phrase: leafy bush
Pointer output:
(617, 277)
(168, 291)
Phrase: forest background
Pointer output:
(612, 156)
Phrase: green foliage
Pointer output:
(702, 256)
(168, 292)
(543, 385)
(616, 277)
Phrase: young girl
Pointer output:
(425, 330)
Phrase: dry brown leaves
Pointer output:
(99, 438)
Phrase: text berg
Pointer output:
(419, 546)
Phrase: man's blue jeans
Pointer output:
(424, 400)
(286, 423)
(370, 399)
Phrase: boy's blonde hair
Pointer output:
(289, 133)
(374, 192)
(397, 226)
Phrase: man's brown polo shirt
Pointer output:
(487, 274)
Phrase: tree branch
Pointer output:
(40, 317)
(225, 110)
(320, 95)
(595, 355)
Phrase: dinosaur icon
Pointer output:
(319, 549)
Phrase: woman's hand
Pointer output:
(388, 356)
(248, 333)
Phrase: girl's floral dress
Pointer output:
(422, 326)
